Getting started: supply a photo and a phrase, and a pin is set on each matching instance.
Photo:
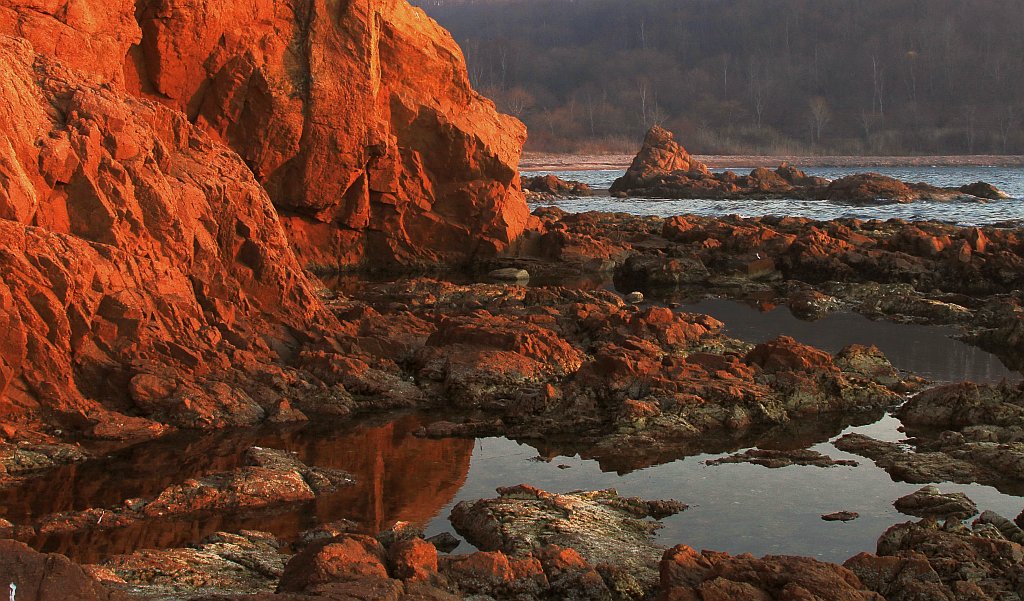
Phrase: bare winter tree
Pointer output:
(820, 115)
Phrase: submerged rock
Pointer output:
(510, 274)
(841, 516)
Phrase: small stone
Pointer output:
(511, 274)
(841, 516)
(635, 297)
(413, 559)
(446, 542)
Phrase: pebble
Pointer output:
(509, 274)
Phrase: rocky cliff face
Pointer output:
(357, 117)
(143, 267)
(148, 279)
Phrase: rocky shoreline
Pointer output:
(173, 177)
(621, 378)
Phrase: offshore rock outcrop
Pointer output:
(357, 117)
(663, 169)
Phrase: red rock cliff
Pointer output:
(133, 248)
(357, 116)
(147, 276)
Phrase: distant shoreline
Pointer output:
(594, 162)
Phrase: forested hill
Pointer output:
(743, 76)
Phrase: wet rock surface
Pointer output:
(602, 526)
(962, 432)
(944, 560)
(929, 502)
(663, 169)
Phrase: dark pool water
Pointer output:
(734, 508)
(926, 350)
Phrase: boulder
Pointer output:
(42, 577)
(351, 557)
(602, 526)
(659, 155)
(710, 575)
(550, 186)
(984, 190)
(869, 188)
(929, 502)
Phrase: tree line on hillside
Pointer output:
(883, 77)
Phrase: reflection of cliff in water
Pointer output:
(398, 477)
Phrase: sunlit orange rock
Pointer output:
(133, 248)
(357, 117)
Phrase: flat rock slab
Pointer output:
(247, 562)
(604, 527)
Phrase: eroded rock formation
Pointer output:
(357, 117)
(149, 280)
(142, 264)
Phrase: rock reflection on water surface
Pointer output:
(398, 477)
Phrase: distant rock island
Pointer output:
(664, 169)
